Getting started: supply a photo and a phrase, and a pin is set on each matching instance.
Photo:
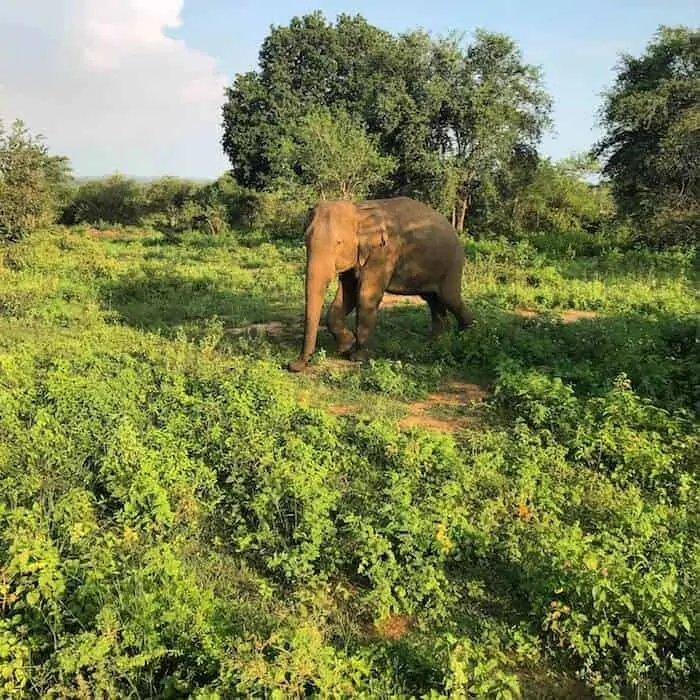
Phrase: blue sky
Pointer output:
(145, 77)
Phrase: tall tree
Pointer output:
(493, 105)
(652, 142)
(309, 63)
(451, 116)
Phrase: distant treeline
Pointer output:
(457, 126)
(556, 198)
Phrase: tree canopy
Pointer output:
(651, 146)
(449, 114)
(332, 154)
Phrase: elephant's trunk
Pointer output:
(317, 280)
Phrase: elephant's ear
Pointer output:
(307, 220)
(371, 234)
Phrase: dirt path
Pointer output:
(442, 411)
(567, 316)
(276, 329)
(451, 400)
(271, 328)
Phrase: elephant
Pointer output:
(397, 245)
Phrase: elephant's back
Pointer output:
(412, 220)
(426, 247)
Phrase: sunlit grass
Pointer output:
(167, 485)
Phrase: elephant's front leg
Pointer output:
(368, 299)
(344, 302)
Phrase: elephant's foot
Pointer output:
(438, 329)
(346, 344)
(299, 365)
(359, 355)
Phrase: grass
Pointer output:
(182, 517)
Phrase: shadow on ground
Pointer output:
(168, 303)
(658, 353)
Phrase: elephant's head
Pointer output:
(340, 237)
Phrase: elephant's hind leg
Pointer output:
(438, 313)
(457, 308)
(343, 304)
(451, 297)
(369, 297)
(451, 294)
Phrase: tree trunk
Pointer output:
(463, 214)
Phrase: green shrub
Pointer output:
(33, 184)
(112, 200)
(176, 520)
(175, 207)
(281, 213)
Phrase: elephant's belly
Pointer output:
(411, 289)
(405, 282)
(419, 268)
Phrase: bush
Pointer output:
(33, 184)
(170, 205)
(281, 213)
(113, 200)
(176, 206)
(546, 198)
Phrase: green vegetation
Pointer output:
(181, 516)
(452, 116)
(34, 185)
(333, 155)
(170, 205)
(652, 144)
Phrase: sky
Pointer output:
(136, 86)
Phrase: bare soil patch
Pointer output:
(573, 315)
(455, 394)
(341, 409)
(458, 395)
(393, 627)
(568, 316)
(441, 411)
(389, 300)
(272, 328)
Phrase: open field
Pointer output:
(513, 507)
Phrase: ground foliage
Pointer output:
(181, 518)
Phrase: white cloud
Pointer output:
(107, 87)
